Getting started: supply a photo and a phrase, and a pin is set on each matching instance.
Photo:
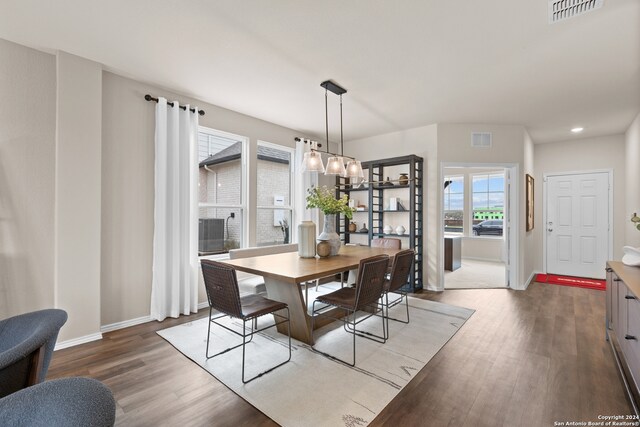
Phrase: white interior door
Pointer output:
(577, 225)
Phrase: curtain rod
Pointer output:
(193, 110)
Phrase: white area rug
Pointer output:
(312, 390)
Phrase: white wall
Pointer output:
(508, 147)
(586, 154)
(529, 244)
(27, 151)
(78, 194)
(632, 176)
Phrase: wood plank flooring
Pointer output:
(525, 358)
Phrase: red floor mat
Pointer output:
(578, 282)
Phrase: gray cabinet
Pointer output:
(623, 324)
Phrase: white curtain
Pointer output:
(174, 289)
(304, 181)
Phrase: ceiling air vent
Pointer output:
(481, 139)
(559, 10)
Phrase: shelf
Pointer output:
(390, 187)
(374, 196)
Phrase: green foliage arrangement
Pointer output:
(323, 199)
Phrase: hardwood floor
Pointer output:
(525, 358)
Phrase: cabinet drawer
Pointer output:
(632, 350)
(621, 321)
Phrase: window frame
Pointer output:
(471, 215)
(293, 238)
(244, 186)
(445, 194)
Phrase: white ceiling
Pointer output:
(404, 64)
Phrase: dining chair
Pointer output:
(223, 295)
(400, 270)
(383, 242)
(368, 290)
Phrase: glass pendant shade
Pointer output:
(354, 169)
(335, 166)
(312, 162)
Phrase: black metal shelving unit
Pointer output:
(375, 190)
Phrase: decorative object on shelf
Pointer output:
(323, 248)
(387, 229)
(635, 219)
(393, 203)
(307, 239)
(387, 183)
(631, 256)
(400, 230)
(353, 203)
(403, 179)
(324, 199)
(361, 208)
(353, 227)
(364, 228)
(401, 206)
(335, 163)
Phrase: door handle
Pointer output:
(549, 230)
(629, 297)
(629, 337)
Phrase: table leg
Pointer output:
(291, 294)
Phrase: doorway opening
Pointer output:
(478, 245)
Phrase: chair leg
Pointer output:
(288, 320)
(327, 355)
(208, 333)
(406, 302)
(368, 335)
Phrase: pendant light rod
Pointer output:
(326, 117)
(341, 134)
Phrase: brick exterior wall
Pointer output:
(223, 186)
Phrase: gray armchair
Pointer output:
(60, 403)
(26, 347)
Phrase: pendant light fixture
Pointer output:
(312, 161)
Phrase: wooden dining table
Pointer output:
(284, 273)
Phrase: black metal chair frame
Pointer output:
(348, 325)
(385, 305)
(403, 294)
(233, 304)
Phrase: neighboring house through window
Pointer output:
(222, 191)
(274, 216)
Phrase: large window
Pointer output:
(454, 204)
(274, 193)
(222, 191)
(488, 204)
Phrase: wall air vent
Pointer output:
(560, 10)
(481, 139)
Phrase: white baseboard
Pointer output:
(202, 305)
(125, 324)
(531, 279)
(77, 341)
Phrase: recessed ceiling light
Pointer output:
(577, 130)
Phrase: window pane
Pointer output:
(219, 229)
(273, 227)
(496, 182)
(480, 183)
(274, 189)
(457, 185)
(220, 174)
(488, 204)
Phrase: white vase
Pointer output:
(329, 234)
(400, 230)
(631, 256)
(387, 229)
(307, 239)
